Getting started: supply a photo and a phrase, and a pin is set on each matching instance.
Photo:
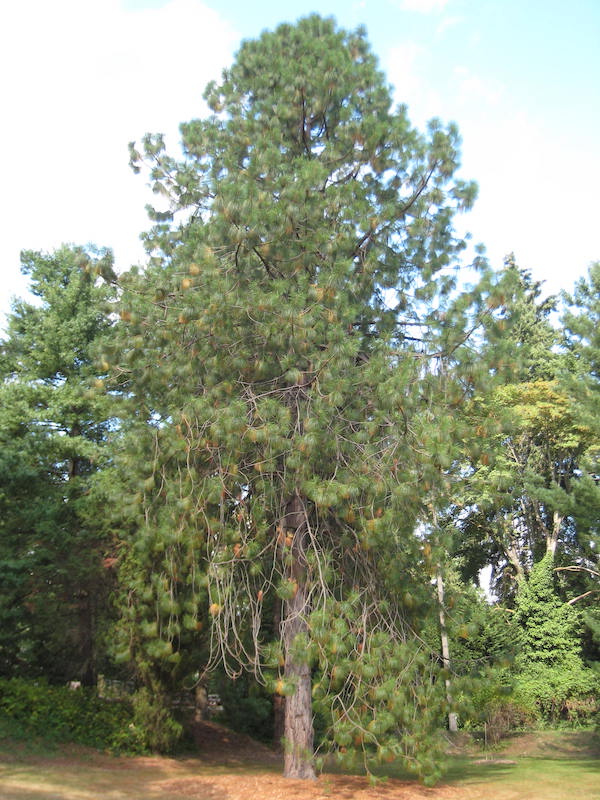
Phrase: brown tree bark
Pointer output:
(298, 727)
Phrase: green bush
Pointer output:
(65, 715)
(551, 675)
(495, 708)
(504, 717)
(153, 721)
(565, 692)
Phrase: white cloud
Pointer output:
(407, 66)
(86, 78)
(532, 199)
(446, 23)
(404, 66)
(523, 206)
(474, 91)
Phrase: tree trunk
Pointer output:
(552, 536)
(452, 718)
(75, 463)
(298, 727)
(200, 703)
(85, 642)
(278, 700)
(513, 558)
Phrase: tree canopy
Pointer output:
(52, 429)
(282, 347)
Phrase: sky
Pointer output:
(82, 78)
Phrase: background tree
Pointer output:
(551, 673)
(52, 427)
(581, 322)
(527, 499)
(522, 496)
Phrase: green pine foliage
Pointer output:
(52, 428)
(279, 356)
(580, 322)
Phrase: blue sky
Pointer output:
(83, 77)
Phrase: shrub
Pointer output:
(495, 708)
(551, 674)
(505, 717)
(61, 714)
(153, 721)
(561, 692)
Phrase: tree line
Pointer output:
(276, 459)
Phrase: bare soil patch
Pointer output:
(214, 743)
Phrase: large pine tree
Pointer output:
(279, 352)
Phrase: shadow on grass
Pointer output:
(500, 769)
(565, 744)
(526, 772)
(481, 769)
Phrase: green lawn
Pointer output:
(528, 778)
(551, 766)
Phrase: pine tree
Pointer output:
(52, 426)
(280, 348)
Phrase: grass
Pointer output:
(548, 766)
(528, 778)
(543, 765)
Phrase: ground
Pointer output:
(536, 766)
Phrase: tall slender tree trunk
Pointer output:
(298, 727)
(278, 700)
(452, 718)
(552, 536)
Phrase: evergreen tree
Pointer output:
(551, 673)
(581, 325)
(522, 494)
(52, 426)
(581, 322)
(279, 354)
(529, 500)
